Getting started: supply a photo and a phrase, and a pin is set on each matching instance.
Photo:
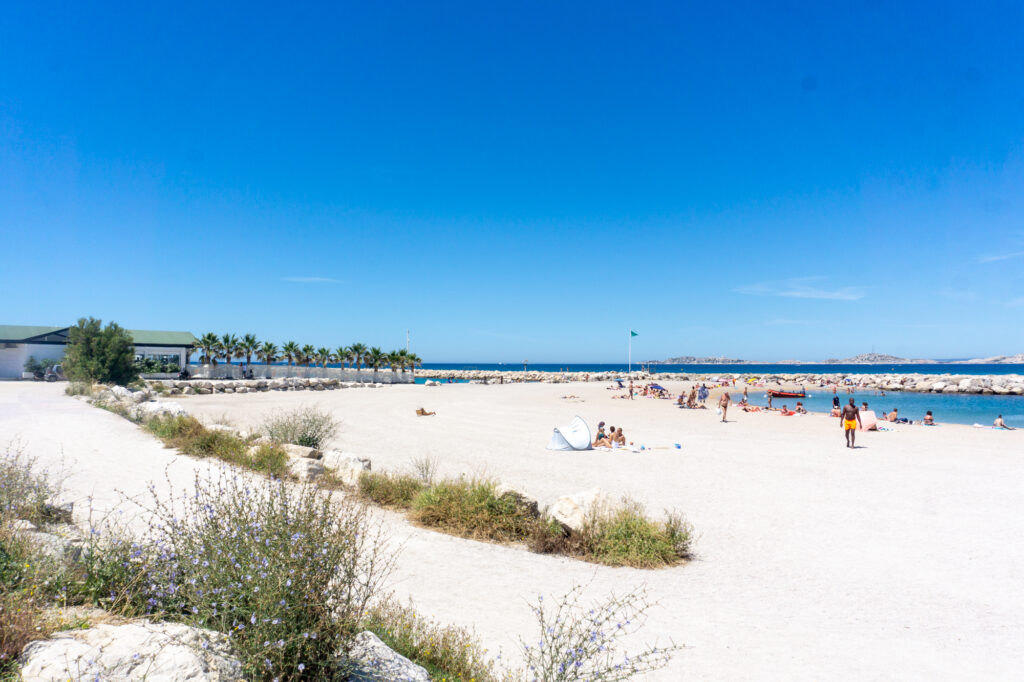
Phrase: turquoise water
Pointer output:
(943, 368)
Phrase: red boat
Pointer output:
(787, 394)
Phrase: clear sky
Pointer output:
(521, 181)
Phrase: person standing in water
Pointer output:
(850, 420)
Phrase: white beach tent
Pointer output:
(575, 436)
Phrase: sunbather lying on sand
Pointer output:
(420, 412)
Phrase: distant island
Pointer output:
(862, 359)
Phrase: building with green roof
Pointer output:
(19, 342)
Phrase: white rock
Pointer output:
(121, 393)
(521, 499)
(306, 469)
(376, 662)
(22, 525)
(572, 511)
(54, 546)
(346, 467)
(155, 652)
(140, 397)
(159, 408)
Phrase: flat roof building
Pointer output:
(19, 342)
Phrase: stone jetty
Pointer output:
(992, 384)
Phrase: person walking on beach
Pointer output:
(630, 389)
(850, 420)
(723, 403)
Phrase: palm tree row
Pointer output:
(228, 347)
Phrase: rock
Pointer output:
(105, 396)
(220, 427)
(140, 397)
(346, 467)
(572, 511)
(59, 512)
(306, 469)
(302, 451)
(54, 546)
(155, 652)
(158, 408)
(121, 393)
(374, 661)
(521, 500)
(22, 525)
(938, 386)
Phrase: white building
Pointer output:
(19, 342)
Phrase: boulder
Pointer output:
(22, 525)
(155, 652)
(59, 512)
(306, 469)
(158, 408)
(346, 467)
(54, 546)
(572, 511)
(374, 661)
(521, 500)
(105, 396)
(302, 451)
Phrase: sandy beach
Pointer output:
(899, 559)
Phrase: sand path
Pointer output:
(898, 560)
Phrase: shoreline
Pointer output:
(978, 384)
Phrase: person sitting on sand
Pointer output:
(929, 420)
(1000, 424)
(420, 412)
(893, 416)
(600, 435)
(786, 412)
(800, 408)
(618, 438)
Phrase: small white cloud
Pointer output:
(312, 280)
(1001, 256)
(801, 287)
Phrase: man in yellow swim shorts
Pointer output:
(849, 419)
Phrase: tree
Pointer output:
(104, 354)
(394, 359)
(228, 347)
(247, 347)
(323, 356)
(358, 354)
(267, 352)
(403, 359)
(344, 354)
(291, 352)
(308, 353)
(375, 357)
(414, 362)
(208, 345)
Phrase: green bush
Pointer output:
(24, 487)
(389, 490)
(624, 536)
(285, 571)
(446, 651)
(189, 436)
(306, 426)
(96, 354)
(78, 388)
(470, 508)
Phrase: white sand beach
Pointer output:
(898, 560)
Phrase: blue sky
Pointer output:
(531, 180)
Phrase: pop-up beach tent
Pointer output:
(575, 436)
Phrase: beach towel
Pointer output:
(868, 420)
(575, 436)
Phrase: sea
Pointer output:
(956, 408)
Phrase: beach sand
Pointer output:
(896, 560)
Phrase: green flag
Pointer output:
(632, 333)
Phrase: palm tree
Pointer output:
(394, 360)
(228, 347)
(267, 352)
(208, 345)
(247, 347)
(344, 354)
(291, 352)
(358, 354)
(308, 353)
(375, 357)
(403, 359)
(323, 356)
(414, 362)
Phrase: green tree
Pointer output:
(247, 347)
(414, 362)
(344, 354)
(228, 347)
(291, 352)
(267, 352)
(208, 345)
(324, 356)
(308, 354)
(104, 354)
(395, 361)
(375, 357)
(358, 354)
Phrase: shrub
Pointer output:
(446, 651)
(578, 642)
(78, 388)
(269, 459)
(188, 435)
(24, 489)
(21, 622)
(306, 426)
(285, 571)
(470, 508)
(425, 469)
(98, 354)
(389, 490)
(624, 536)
